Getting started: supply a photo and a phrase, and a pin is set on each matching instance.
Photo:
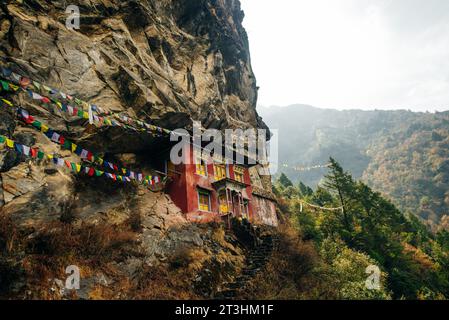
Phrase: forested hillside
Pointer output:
(354, 230)
(404, 155)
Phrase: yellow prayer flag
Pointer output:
(74, 146)
(78, 168)
(10, 143)
(9, 103)
(44, 128)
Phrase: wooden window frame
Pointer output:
(204, 193)
(221, 205)
(239, 172)
(201, 163)
(223, 172)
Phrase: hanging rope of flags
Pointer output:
(31, 87)
(35, 153)
(79, 112)
(83, 153)
(310, 168)
(303, 203)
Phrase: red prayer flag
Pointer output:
(45, 100)
(34, 153)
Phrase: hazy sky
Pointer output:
(342, 54)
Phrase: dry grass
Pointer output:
(9, 264)
(188, 258)
(96, 243)
(8, 234)
(159, 283)
(35, 258)
(287, 274)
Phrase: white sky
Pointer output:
(384, 54)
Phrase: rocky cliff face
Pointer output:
(166, 62)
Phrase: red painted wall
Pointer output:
(184, 190)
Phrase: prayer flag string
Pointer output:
(128, 175)
(36, 153)
(303, 203)
(78, 106)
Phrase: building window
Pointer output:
(238, 173)
(223, 202)
(219, 171)
(201, 167)
(204, 200)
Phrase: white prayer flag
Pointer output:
(26, 150)
(37, 96)
(91, 115)
(55, 137)
(84, 154)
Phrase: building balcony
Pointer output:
(230, 184)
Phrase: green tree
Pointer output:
(322, 197)
(305, 190)
(284, 181)
(340, 182)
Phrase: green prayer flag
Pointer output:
(98, 173)
(2, 139)
(40, 155)
(5, 85)
(67, 145)
(37, 124)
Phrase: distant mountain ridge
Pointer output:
(403, 154)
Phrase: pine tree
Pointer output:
(285, 181)
(305, 190)
(342, 184)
